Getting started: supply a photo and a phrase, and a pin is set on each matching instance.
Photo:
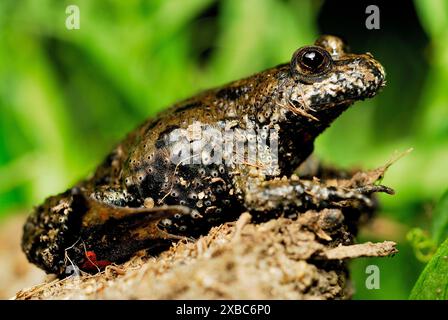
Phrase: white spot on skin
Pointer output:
(148, 203)
(166, 222)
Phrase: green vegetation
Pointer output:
(66, 96)
(433, 282)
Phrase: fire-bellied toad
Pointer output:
(206, 160)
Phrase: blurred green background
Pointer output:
(67, 96)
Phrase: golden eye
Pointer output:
(310, 63)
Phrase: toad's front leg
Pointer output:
(284, 196)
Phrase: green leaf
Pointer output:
(433, 15)
(433, 281)
(440, 220)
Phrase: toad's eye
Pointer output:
(311, 62)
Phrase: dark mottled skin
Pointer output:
(138, 198)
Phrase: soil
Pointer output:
(279, 259)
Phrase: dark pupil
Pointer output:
(312, 59)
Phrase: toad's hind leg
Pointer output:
(113, 234)
(99, 213)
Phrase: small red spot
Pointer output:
(91, 263)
